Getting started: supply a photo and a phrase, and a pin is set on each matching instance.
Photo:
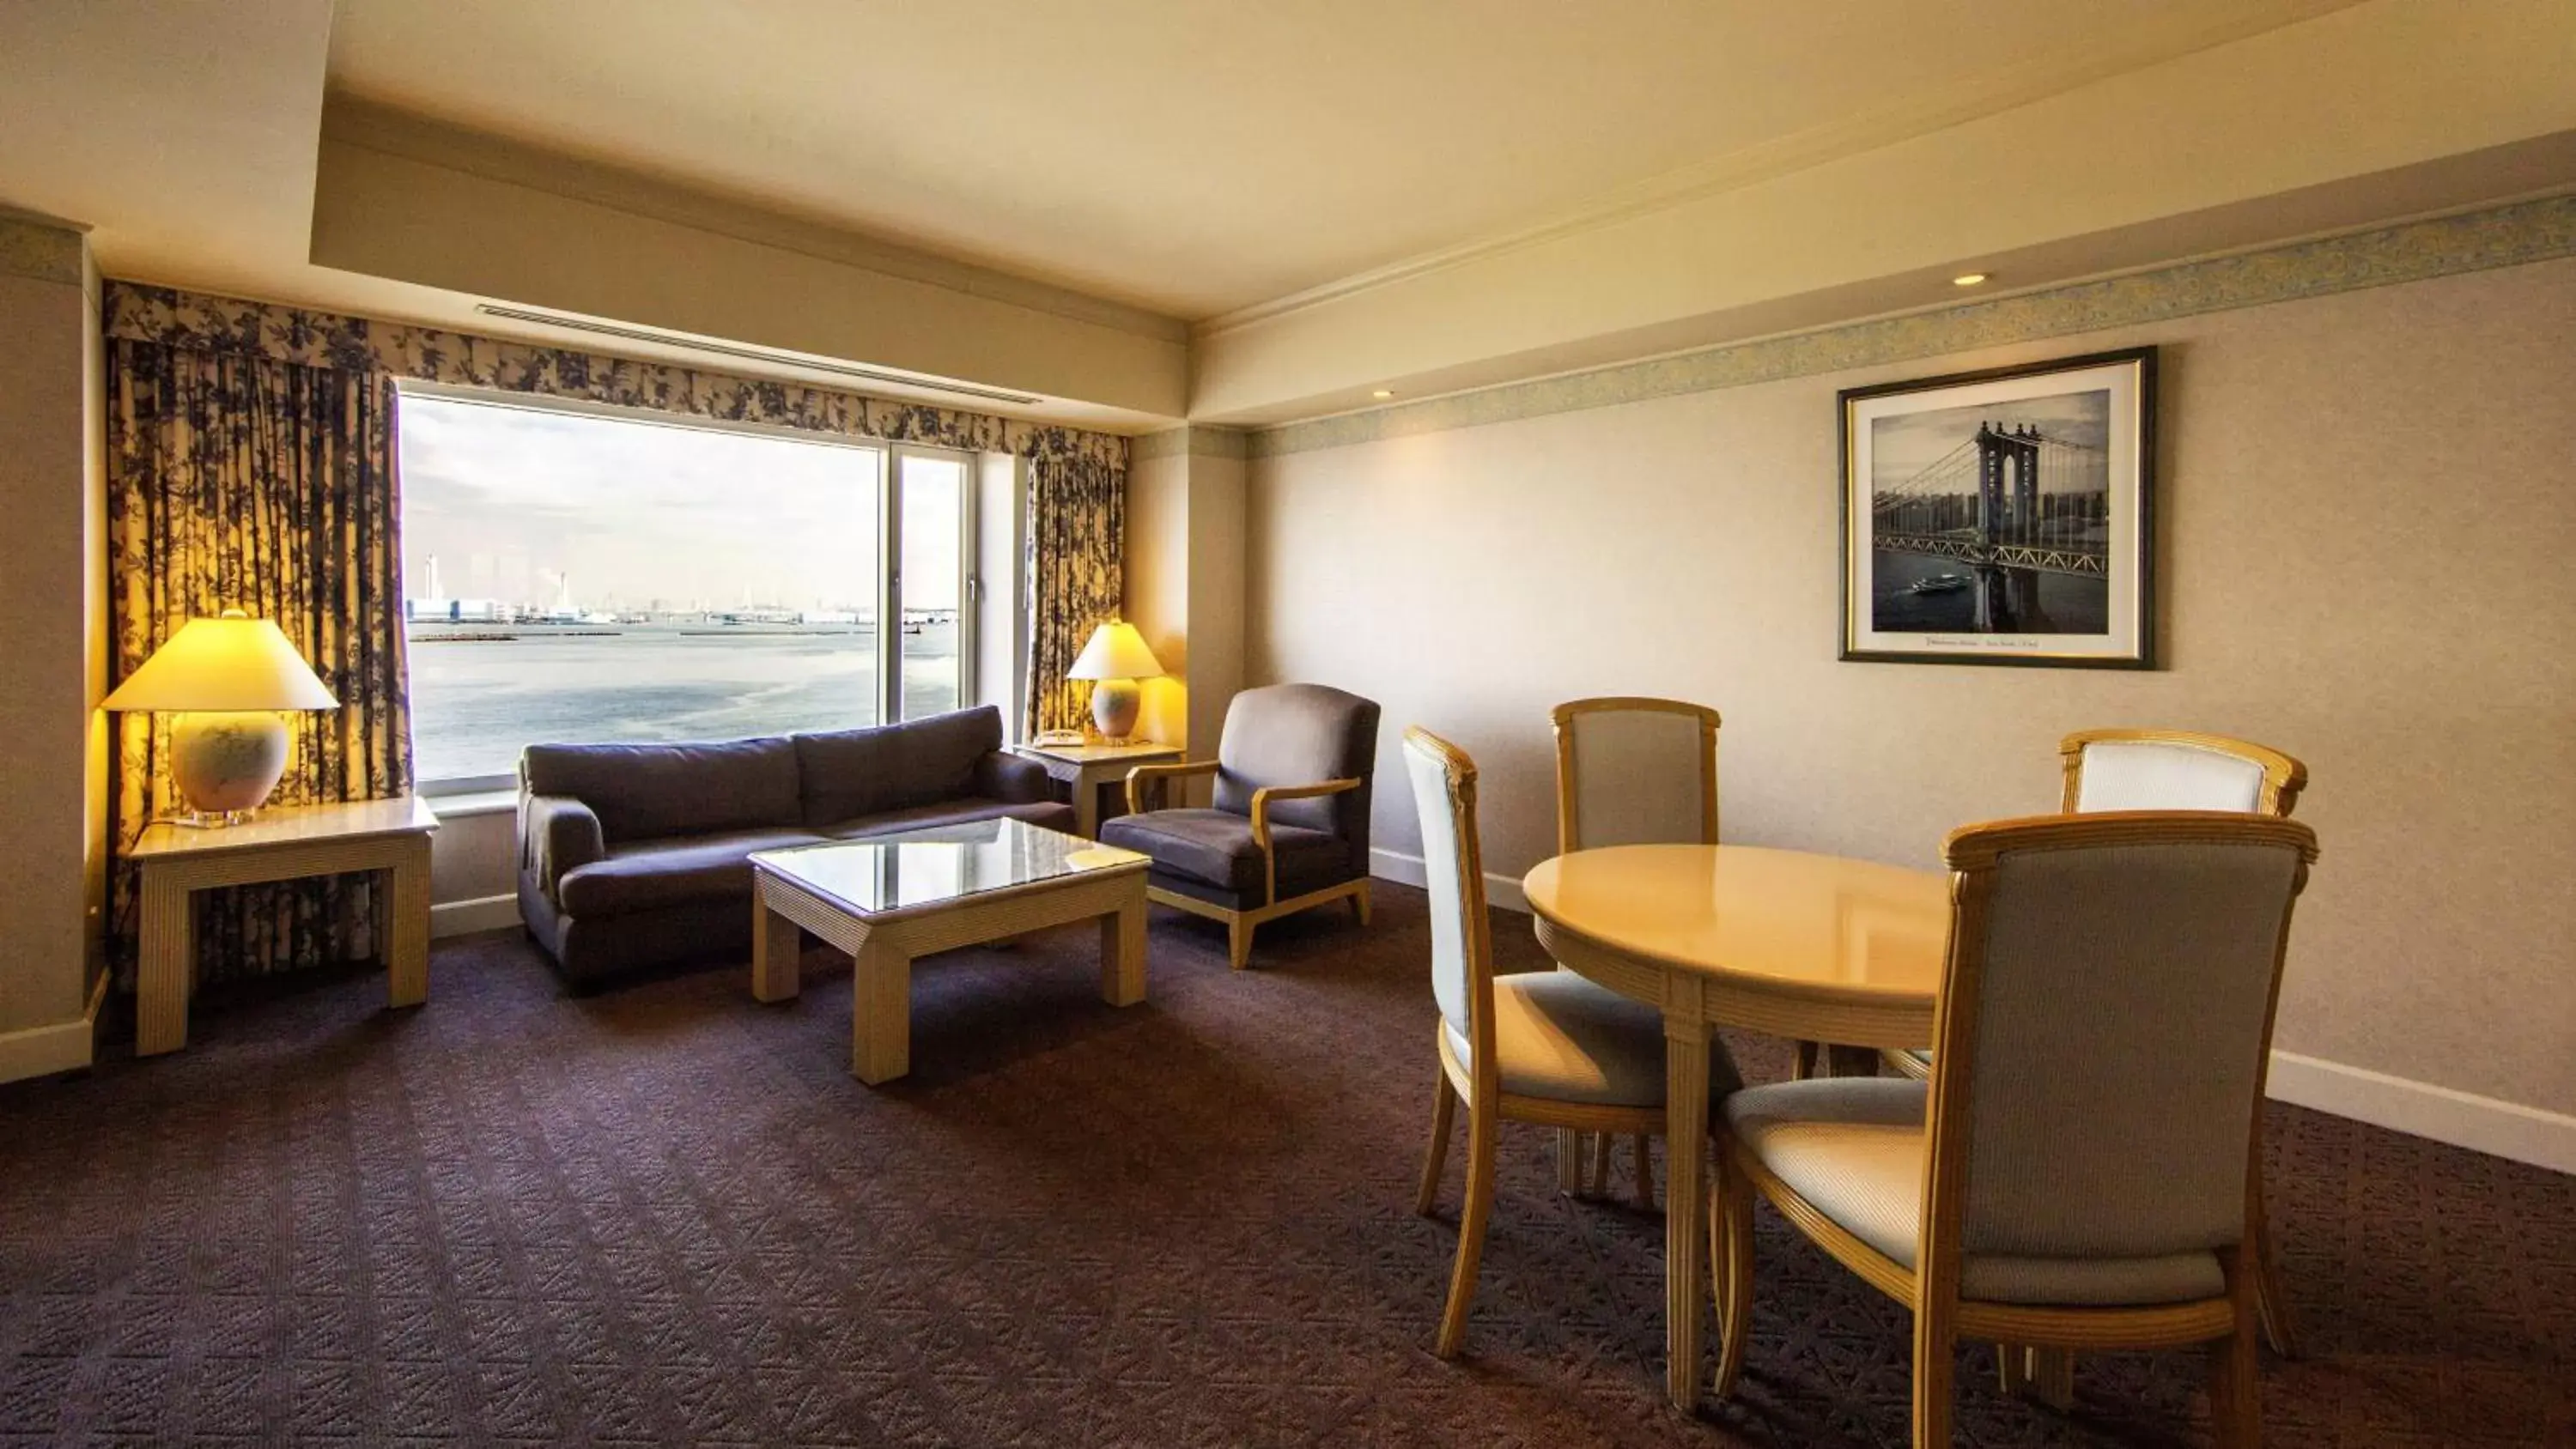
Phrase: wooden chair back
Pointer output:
(2103, 1032)
(1462, 954)
(2154, 769)
(1635, 771)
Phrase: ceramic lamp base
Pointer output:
(1113, 708)
(226, 762)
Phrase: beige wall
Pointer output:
(49, 667)
(1157, 599)
(2140, 165)
(1184, 566)
(2369, 560)
(417, 221)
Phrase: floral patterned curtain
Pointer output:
(1077, 519)
(244, 482)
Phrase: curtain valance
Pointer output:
(193, 322)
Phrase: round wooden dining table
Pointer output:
(1810, 947)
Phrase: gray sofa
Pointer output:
(636, 856)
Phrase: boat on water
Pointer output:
(1938, 584)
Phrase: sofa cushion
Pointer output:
(1216, 846)
(643, 792)
(1053, 814)
(649, 874)
(852, 773)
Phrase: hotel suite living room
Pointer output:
(1438, 722)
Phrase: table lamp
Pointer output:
(225, 680)
(1115, 659)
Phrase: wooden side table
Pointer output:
(1088, 767)
(283, 842)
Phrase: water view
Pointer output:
(2073, 604)
(480, 693)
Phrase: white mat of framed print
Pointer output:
(2003, 517)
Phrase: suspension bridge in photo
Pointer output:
(2012, 504)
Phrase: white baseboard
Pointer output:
(1500, 890)
(463, 918)
(2462, 1119)
(62, 1046)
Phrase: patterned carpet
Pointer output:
(666, 1214)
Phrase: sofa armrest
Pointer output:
(1262, 800)
(557, 835)
(1012, 779)
(1145, 782)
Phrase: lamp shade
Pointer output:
(1116, 651)
(230, 663)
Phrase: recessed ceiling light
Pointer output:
(1383, 393)
(1968, 279)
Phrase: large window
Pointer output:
(580, 575)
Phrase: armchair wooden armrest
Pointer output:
(1262, 800)
(1144, 780)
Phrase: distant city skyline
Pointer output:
(640, 515)
(1901, 447)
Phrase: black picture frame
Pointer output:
(2037, 481)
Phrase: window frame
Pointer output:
(886, 451)
(970, 579)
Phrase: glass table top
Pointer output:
(913, 869)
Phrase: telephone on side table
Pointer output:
(1059, 737)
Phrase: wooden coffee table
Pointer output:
(889, 898)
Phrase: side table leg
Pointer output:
(774, 947)
(1086, 805)
(407, 949)
(881, 1013)
(1122, 954)
(168, 951)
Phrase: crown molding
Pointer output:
(1956, 104)
(2535, 230)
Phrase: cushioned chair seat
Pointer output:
(1854, 1148)
(1053, 814)
(1216, 847)
(1559, 1036)
(645, 874)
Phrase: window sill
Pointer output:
(464, 804)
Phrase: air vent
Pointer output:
(771, 356)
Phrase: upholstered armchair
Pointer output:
(1287, 827)
(2082, 1171)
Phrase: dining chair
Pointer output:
(1630, 770)
(2160, 769)
(1545, 1047)
(2082, 1169)
(1286, 827)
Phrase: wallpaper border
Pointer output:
(2528, 231)
(41, 250)
(1197, 440)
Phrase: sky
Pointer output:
(1901, 447)
(510, 500)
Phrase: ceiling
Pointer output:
(1341, 197)
(1198, 159)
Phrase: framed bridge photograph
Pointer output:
(2003, 517)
